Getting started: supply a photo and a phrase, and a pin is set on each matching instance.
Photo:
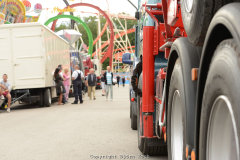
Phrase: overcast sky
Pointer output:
(115, 6)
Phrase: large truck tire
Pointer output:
(176, 115)
(220, 113)
(197, 15)
(40, 102)
(133, 119)
(47, 99)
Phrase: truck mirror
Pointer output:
(126, 58)
(95, 67)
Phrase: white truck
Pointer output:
(29, 54)
(97, 66)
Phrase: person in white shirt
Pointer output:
(77, 78)
(6, 89)
(108, 78)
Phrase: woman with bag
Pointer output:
(59, 85)
(66, 82)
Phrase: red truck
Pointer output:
(190, 108)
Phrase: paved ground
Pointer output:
(78, 132)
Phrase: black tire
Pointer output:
(140, 130)
(40, 102)
(197, 21)
(47, 98)
(176, 86)
(133, 119)
(223, 81)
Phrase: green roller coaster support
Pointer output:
(7, 22)
(89, 33)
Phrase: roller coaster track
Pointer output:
(115, 37)
(110, 47)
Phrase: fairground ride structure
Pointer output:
(118, 42)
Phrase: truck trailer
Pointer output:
(29, 54)
(187, 82)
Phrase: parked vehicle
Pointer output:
(126, 59)
(98, 85)
(192, 112)
(30, 52)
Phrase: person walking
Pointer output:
(108, 78)
(123, 80)
(91, 83)
(5, 90)
(103, 83)
(77, 78)
(66, 82)
(59, 85)
(118, 80)
(61, 74)
(85, 79)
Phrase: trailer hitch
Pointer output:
(19, 98)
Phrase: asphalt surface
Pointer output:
(85, 131)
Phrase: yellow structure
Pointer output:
(12, 11)
(56, 9)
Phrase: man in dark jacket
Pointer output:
(91, 83)
(108, 78)
(123, 80)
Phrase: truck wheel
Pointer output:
(47, 98)
(220, 112)
(196, 16)
(176, 115)
(133, 119)
(40, 102)
(139, 125)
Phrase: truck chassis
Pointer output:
(185, 109)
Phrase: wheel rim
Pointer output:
(176, 127)
(189, 5)
(222, 139)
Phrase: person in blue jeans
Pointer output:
(108, 78)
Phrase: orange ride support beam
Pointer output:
(115, 37)
(119, 49)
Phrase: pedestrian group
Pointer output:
(62, 80)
